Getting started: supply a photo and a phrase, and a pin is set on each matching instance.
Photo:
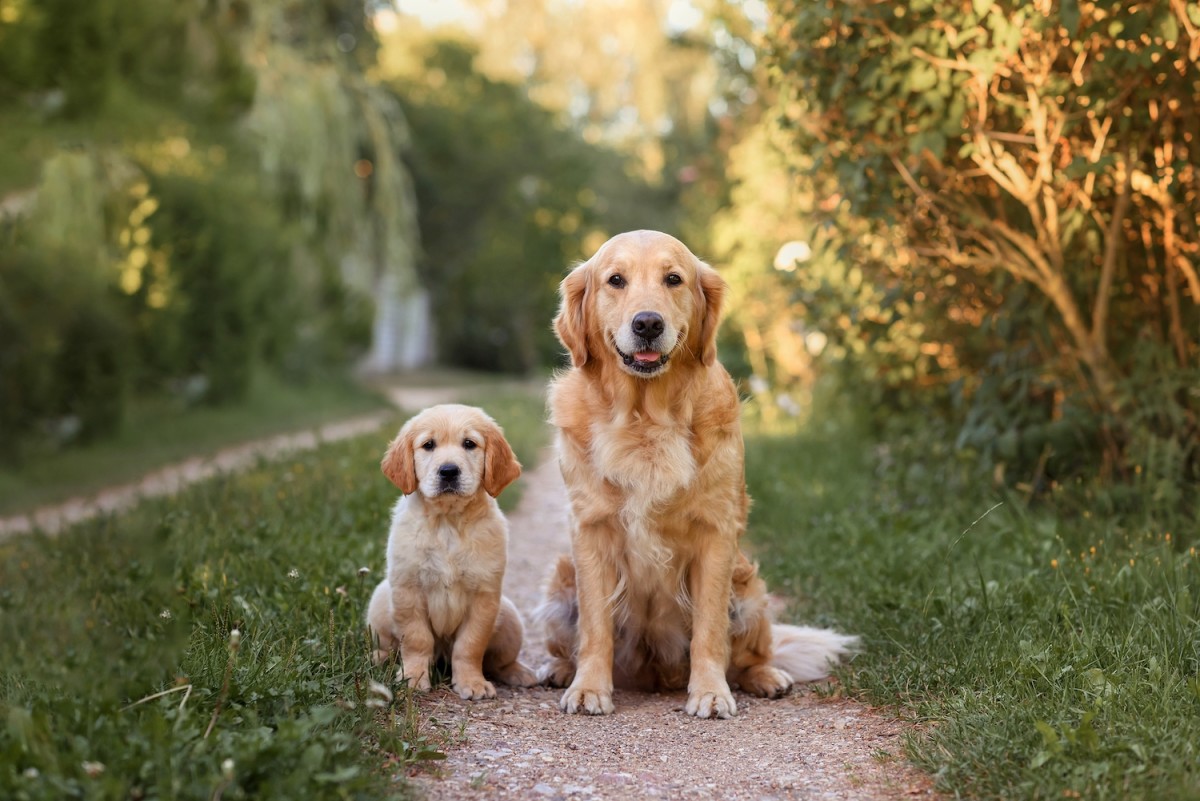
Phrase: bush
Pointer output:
(63, 351)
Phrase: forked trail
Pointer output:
(520, 746)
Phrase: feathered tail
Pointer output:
(806, 653)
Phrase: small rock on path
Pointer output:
(520, 746)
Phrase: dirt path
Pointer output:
(520, 746)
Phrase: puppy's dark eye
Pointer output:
(469, 445)
(674, 279)
(616, 280)
(429, 445)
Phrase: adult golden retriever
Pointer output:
(446, 554)
(658, 593)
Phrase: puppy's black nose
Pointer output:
(647, 324)
(449, 471)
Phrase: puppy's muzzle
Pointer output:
(448, 474)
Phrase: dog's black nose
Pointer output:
(449, 471)
(647, 324)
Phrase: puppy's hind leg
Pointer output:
(381, 623)
(559, 617)
(501, 660)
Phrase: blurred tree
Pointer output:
(1039, 161)
(221, 186)
(508, 198)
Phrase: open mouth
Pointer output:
(644, 361)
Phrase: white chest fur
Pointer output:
(448, 563)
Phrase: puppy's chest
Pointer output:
(444, 559)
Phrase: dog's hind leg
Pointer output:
(501, 658)
(559, 616)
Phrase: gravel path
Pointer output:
(520, 746)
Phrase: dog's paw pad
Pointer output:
(718, 704)
(475, 689)
(590, 702)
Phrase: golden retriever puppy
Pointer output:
(446, 554)
(657, 593)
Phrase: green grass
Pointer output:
(158, 431)
(1044, 654)
(112, 612)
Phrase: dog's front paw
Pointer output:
(765, 681)
(474, 688)
(591, 702)
(715, 702)
(517, 675)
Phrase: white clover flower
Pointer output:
(165, 614)
(293, 573)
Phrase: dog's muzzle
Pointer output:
(448, 477)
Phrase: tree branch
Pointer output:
(1112, 249)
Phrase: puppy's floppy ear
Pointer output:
(500, 465)
(398, 464)
(712, 294)
(571, 322)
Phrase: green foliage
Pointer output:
(1031, 169)
(1042, 655)
(186, 181)
(62, 353)
(507, 198)
(229, 287)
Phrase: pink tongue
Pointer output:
(646, 356)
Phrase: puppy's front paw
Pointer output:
(765, 681)
(591, 702)
(419, 683)
(715, 702)
(474, 688)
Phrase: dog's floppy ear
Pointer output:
(398, 464)
(712, 294)
(571, 322)
(500, 465)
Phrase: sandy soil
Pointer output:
(520, 746)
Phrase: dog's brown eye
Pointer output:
(616, 280)
(429, 445)
(674, 279)
(469, 445)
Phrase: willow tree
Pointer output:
(331, 141)
(1040, 159)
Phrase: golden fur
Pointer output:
(447, 550)
(657, 593)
